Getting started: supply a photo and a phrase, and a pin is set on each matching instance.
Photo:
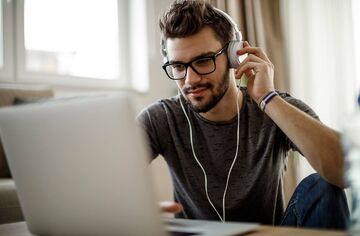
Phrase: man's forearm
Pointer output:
(317, 142)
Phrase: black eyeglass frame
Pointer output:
(189, 64)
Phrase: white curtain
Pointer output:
(320, 50)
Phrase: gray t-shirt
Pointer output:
(255, 191)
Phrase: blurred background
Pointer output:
(85, 46)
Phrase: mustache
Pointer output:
(188, 89)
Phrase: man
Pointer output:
(226, 154)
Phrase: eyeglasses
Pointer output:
(202, 66)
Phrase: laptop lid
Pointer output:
(80, 167)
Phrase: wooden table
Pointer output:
(289, 231)
(20, 229)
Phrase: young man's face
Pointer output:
(202, 92)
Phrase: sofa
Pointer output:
(14, 94)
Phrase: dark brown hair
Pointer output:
(188, 17)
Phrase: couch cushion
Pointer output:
(9, 94)
(4, 168)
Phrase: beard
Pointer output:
(217, 94)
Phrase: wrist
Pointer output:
(264, 100)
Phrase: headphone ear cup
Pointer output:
(231, 52)
(163, 49)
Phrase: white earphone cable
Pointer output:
(236, 152)
(202, 168)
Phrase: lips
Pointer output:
(196, 92)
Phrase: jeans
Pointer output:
(317, 204)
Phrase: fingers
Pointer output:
(250, 66)
(258, 69)
(250, 69)
(253, 50)
(249, 73)
(170, 207)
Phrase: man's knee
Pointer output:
(320, 204)
(318, 189)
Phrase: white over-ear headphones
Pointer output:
(233, 46)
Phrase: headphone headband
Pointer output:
(238, 35)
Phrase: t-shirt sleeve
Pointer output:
(303, 107)
(147, 123)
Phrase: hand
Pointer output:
(170, 207)
(259, 70)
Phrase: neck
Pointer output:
(225, 109)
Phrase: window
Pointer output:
(6, 42)
(59, 40)
(76, 42)
(1, 38)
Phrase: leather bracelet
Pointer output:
(266, 99)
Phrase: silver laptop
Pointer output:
(80, 168)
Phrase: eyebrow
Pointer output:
(194, 58)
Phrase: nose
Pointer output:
(192, 77)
